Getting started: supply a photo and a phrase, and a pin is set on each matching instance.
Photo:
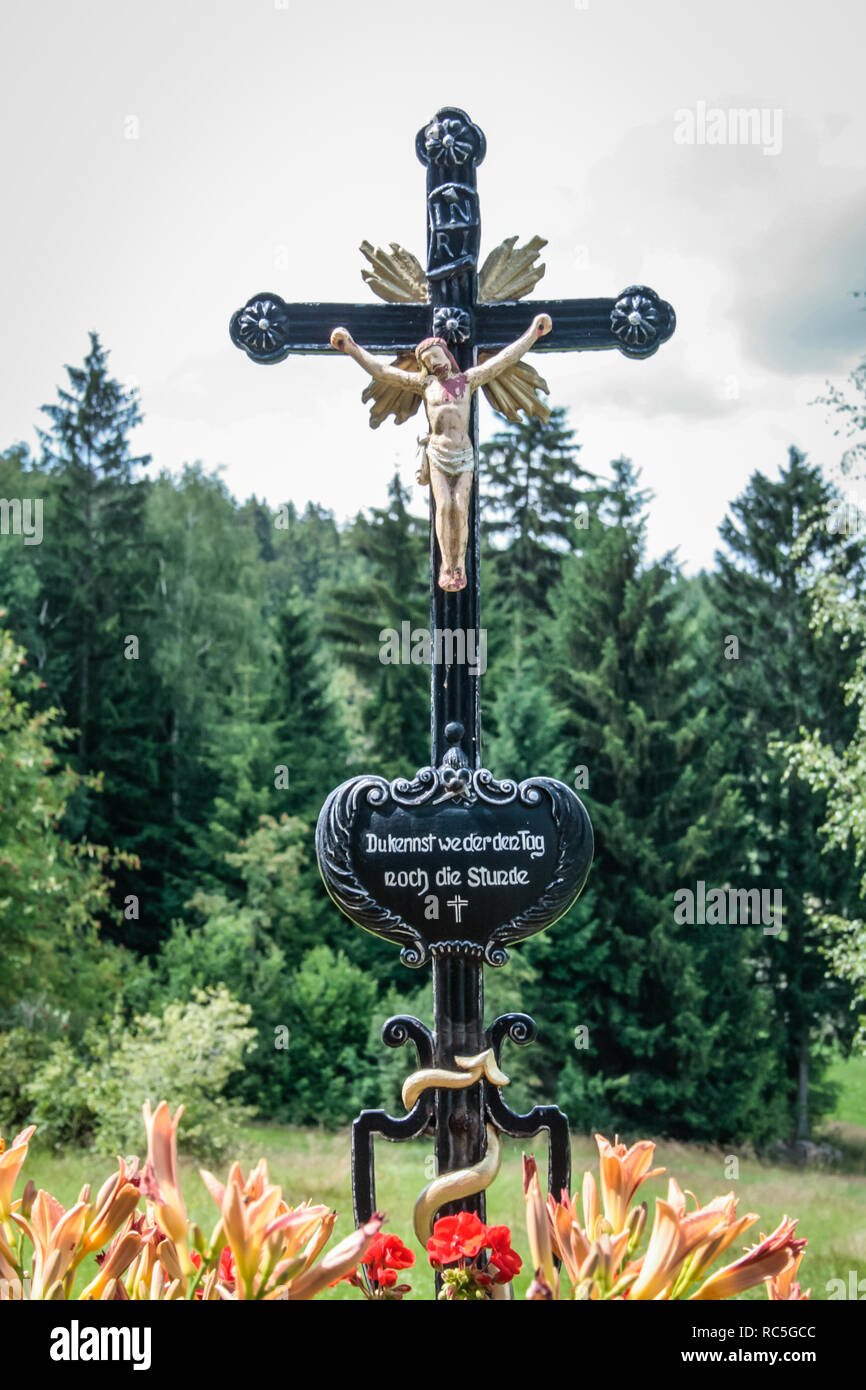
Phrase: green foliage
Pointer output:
(779, 547)
(214, 657)
(259, 638)
(308, 725)
(249, 939)
(21, 1051)
(837, 778)
(392, 543)
(530, 510)
(531, 496)
(85, 605)
(185, 1055)
(676, 1026)
(305, 552)
(330, 1001)
(53, 892)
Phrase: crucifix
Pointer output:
(515, 855)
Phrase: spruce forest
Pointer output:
(185, 675)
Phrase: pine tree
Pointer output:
(530, 477)
(96, 535)
(307, 551)
(216, 660)
(93, 606)
(311, 740)
(54, 970)
(531, 516)
(666, 1020)
(395, 714)
(786, 676)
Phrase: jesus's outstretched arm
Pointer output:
(477, 376)
(342, 340)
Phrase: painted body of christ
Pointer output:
(449, 457)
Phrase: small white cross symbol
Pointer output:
(458, 904)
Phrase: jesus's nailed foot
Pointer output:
(452, 581)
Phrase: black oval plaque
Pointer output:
(461, 863)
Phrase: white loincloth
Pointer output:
(453, 459)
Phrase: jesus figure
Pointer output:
(449, 458)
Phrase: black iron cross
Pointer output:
(636, 322)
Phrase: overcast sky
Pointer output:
(163, 161)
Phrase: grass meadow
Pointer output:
(830, 1203)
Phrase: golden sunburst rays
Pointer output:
(510, 271)
(396, 276)
(515, 390)
(392, 400)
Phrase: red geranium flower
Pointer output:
(460, 1240)
(459, 1237)
(225, 1270)
(385, 1255)
(504, 1262)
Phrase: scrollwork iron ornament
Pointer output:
(640, 321)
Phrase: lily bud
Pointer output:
(197, 1240)
(590, 1205)
(590, 1264)
(537, 1224)
(167, 1256)
(636, 1224)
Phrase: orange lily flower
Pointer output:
(271, 1242)
(116, 1200)
(338, 1262)
(55, 1235)
(159, 1180)
(118, 1257)
(571, 1243)
(784, 1285)
(731, 1229)
(11, 1160)
(767, 1260)
(674, 1235)
(622, 1172)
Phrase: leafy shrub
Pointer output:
(330, 1000)
(53, 892)
(187, 1052)
(21, 1051)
